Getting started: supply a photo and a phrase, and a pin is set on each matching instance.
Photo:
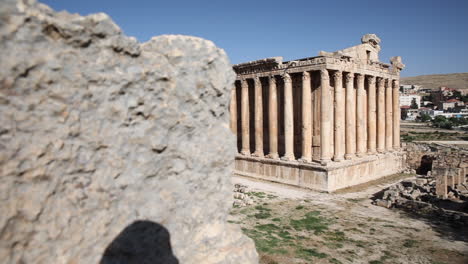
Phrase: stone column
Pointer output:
(360, 115)
(245, 118)
(258, 119)
(288, 118)
(388, 116)
(233, 110)
(325, 116)
(381, 115)
(273, 118)
(339, 117)
(350, 117)
(371, 115)
(396, 115)
(306, 118)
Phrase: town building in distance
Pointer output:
(324, 123)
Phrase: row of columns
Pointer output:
(357, 126)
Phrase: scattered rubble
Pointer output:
(418, 195)
(241, 196)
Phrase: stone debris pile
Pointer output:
(241, 196)
(418, 195)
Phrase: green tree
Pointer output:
(414, 105)
(425, 117)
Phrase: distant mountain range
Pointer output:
(434, 81)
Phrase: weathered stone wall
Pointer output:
(448, 164)
(98, 131)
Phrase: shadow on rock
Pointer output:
(142, 242)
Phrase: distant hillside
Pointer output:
(454, 80)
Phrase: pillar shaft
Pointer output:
(381, 115)
(350, 117)
(360, 116)
(273, 118)
(388, 116)
(288, 118)
(339, 117)
(245, 117)
(372, 116)
(233, 110)
(396, 115)
(306, 118)
(325, 116)
(258, 118)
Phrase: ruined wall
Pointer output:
(98, 131)
(448, 164)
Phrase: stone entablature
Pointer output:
(322, 110)
(275, 66)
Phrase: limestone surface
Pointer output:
(99, 131)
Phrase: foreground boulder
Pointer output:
(99, 133)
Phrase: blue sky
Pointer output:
(431, 36)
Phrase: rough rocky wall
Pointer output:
(98, 131)
(448, 164)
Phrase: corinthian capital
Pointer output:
(286, 78)
(257, 81)
(337, 75)
(349, 77)
(371, 80)
(272, 79)
(305, 76)
(359, 77)
(381, 82)
(324, 74)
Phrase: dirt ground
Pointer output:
(292, 225)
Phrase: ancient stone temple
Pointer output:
(324, 123)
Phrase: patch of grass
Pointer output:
(261, 208)
(409, 243)
(276, 219)
(271, 196)
(334, 245)
(312, 221)
(299, 207)
(260, 195)
(309, 252)
(335, 261)
(245, 211)
(262, 215)
(338, 236)
(285, 235)
(270, 228)
(389, 226)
